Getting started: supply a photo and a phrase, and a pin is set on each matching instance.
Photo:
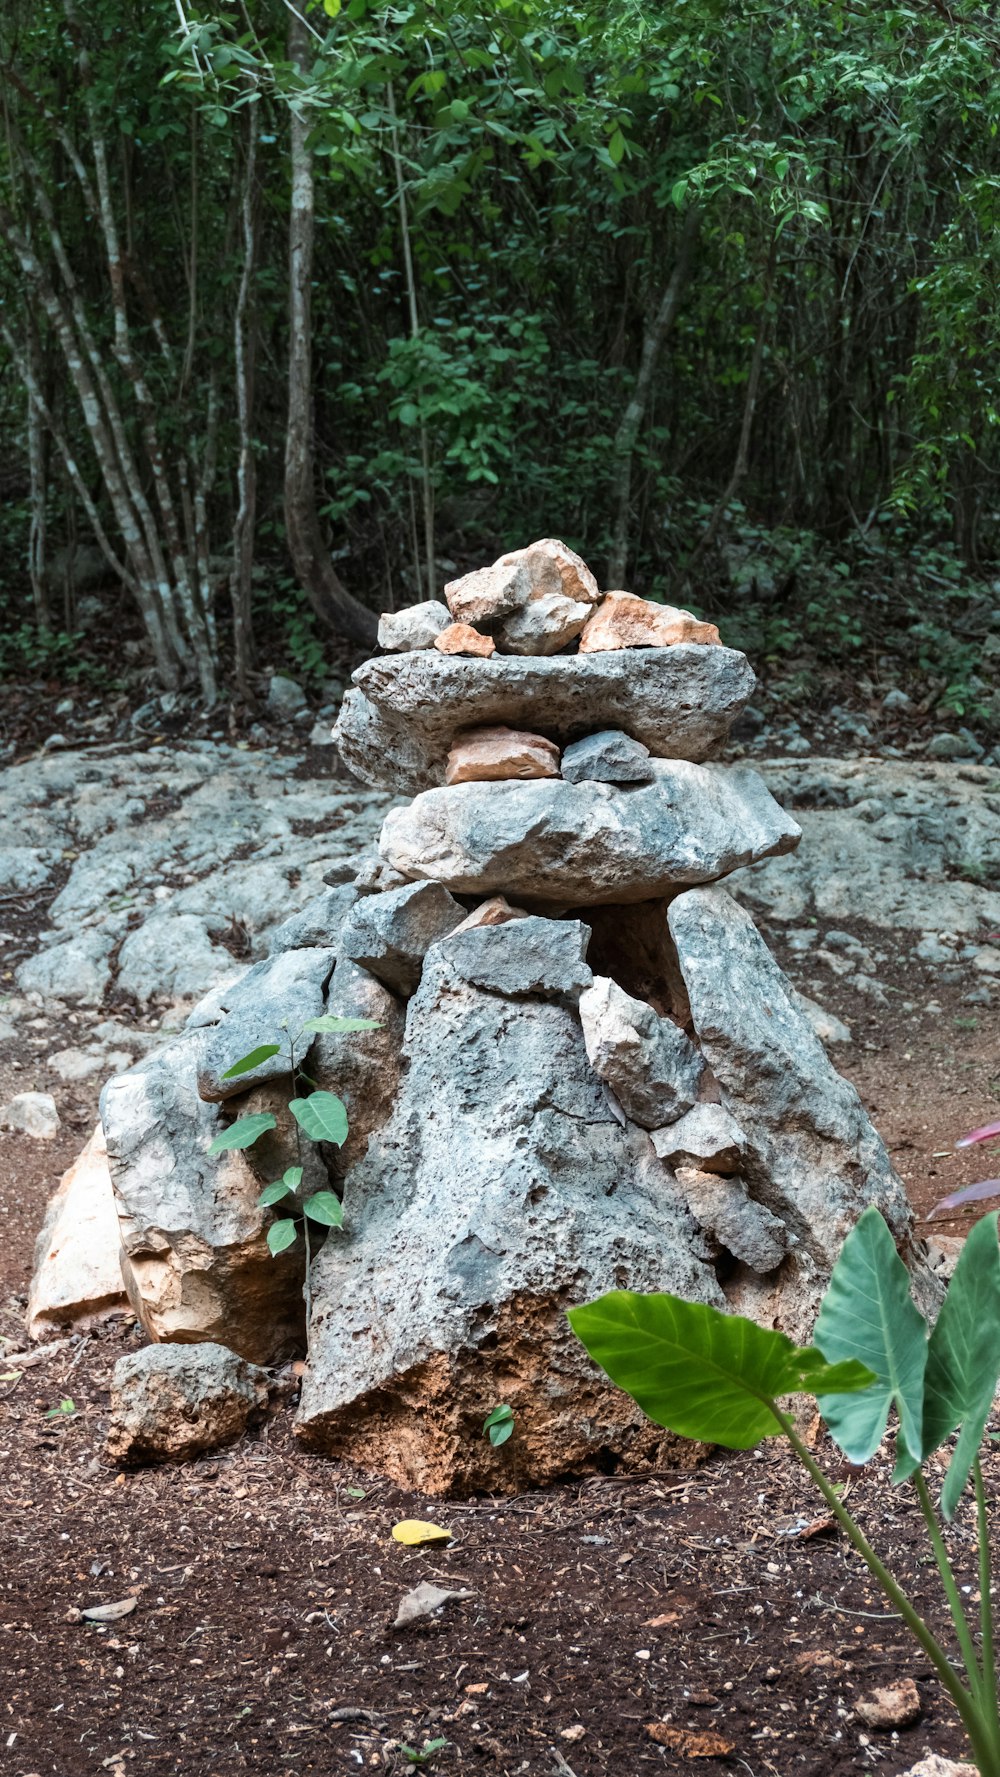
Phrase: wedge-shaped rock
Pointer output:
(170, 1403)
(653, 1069)
(398, 723)
(610, 757)
(195, 1258)
(489, 593)
(581, 844)
(497, 911)
(544, 625)
(811, 1156)
(390, 934)
(502, 1189)
(77, 1279)
(286, 990)
(625, 621)
(729, 1216)
(461, 638)
(707, 1137)
(417, 626)
(545, 958)
(486, 755)
(362, 1067)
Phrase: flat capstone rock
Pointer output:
(399, 722)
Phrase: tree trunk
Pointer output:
(244, 343)
(627, 434)
(37, 467)
(335, 607)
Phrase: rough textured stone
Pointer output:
(739, 1226)
(812, 1157)
(285, 698)
(624, 621)
(580, 843)
(77, 1277)
(361, 1067)
(542, 957)
(825, 1025)
(489, 593)
(77, 970)
(502, 1189)
(31, 1113)
(398, 724)
(417, 626)
(461, 638)
(171, 1402)
(545, 624)
(653, 1069)
(317, 925)
(484, 754)
(707, 1137)
(286, 990)
(609, 757)
(890, 1706)
(933, 1765)
(171, 957)
(389, 934)
(195, 1259)
(497, 911)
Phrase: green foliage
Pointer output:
(721, 1378)
(243, 1133)
(426, 1754)
(322, 1117)
(498, 1426)
(254, 1059)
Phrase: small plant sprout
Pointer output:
(426, 1754)
(319, 1115)
(721, 1378)
(499, 1426)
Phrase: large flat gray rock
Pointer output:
(583, 844)
(398, 723)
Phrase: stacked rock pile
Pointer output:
(589, 1073)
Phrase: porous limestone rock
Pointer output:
(269, 1004)
(609, 757)
(416, 626)
(317, 925)
(586, 843)
(397, 724)
(31, 1113)
(540, 597)
(726, 1212)
(77, 1277)
(461, 638)
(195, 1259)
(706, 1137)
(485, 754)
(172, 1402)
(502, 1190)
(362, 1067)
(389, 934)
(653, 1069)
(545, 958)
(624, 621)
(811, 1156)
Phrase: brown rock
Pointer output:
(624, 621)
(77, 1279)
(490, 753)
(893, 1706)
(461, 638)
(488, 593)
(555, 568)
(547, 572)
(494, 912)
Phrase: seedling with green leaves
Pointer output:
(499, 1425)
(424, 1755)
(721, 1378)
(319, 1115)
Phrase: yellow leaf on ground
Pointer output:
(414, 1531)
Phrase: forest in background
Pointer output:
(301, 308)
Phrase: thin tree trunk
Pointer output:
(245, 344)
(426, 483)
(627, 435)
(37, 466)
(335, 607)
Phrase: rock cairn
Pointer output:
(589, 1073)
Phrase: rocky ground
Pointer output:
(138, 872)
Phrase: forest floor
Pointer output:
(713, 1606)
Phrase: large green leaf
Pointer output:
(274, 1193)
(325, 1207)
(281, 1234)
(330, 1024)
(963, 1358)
(247, 1063)
(867, 1314)
(322, 1116)
(699, 1372)
(244, 1132)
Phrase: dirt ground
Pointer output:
(266, 1581)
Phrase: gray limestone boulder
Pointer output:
(706, 1137)
(195, 1258)
(317, 925)
(390, 934)
(398, 723)
(502, 1190)
(729, 1216)
(652, 1068)
(811, 1156)
(171, 956)
(545, 958)
(77, 1276)
(77, 971)
(172, 1402)
(269, 1004)
(610, 757)
(580, 844)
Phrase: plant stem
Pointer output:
(950, 1586)
(963, 1700)
(989, 1692)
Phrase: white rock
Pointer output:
(417, 626)
(706, 1137)
(825, 1025)
(285, 698)
(77, 1277)
(653, 1069)
(31, 1113)
(172, 1402)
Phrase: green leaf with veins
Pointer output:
(244, 1132)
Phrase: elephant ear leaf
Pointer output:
(867, 1314)
(963, 1358)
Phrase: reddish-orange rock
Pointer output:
(624, 621)
(497, 911)
(461, 638)
(481, 754)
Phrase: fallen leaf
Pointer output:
(109, 1613)
(663, 1622)
(414, 1531)
(423, 1601)
(688, 1742)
